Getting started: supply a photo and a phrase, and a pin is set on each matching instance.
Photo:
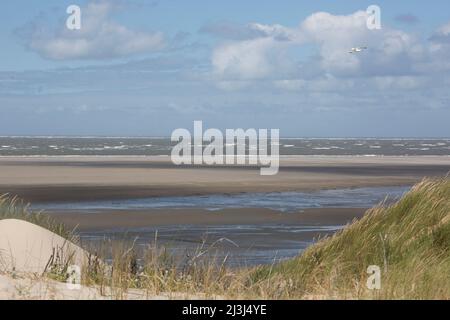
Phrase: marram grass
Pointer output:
(409, 241)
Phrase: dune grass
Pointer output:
(409, 241)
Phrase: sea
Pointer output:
(155, 146)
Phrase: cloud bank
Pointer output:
(391, 52)
(99, 37)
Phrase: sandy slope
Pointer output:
(27, 287)
(25, 250)
(25, 247)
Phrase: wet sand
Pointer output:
(131, 219)
(60, 179)
(242, 236)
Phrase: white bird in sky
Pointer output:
(357, 49)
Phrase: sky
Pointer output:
(146, 68)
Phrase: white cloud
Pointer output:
(400, 82)
(276, 31)
(440, 41)
(391, 52)
(99, 37)
(244, 60)
(442, 34)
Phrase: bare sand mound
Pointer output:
(25, 252)
(41, 288)
(28, 248)
(30, 288)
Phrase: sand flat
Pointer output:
(90, 178)
(129, 219)
(254, 235)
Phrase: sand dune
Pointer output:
(25, 251)
(27, 287)
(27, 248)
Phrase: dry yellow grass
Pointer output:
(409, 241)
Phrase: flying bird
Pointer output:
(357, 49)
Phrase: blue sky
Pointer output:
(149, 67)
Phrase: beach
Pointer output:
(71, 190)
(75, 178)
